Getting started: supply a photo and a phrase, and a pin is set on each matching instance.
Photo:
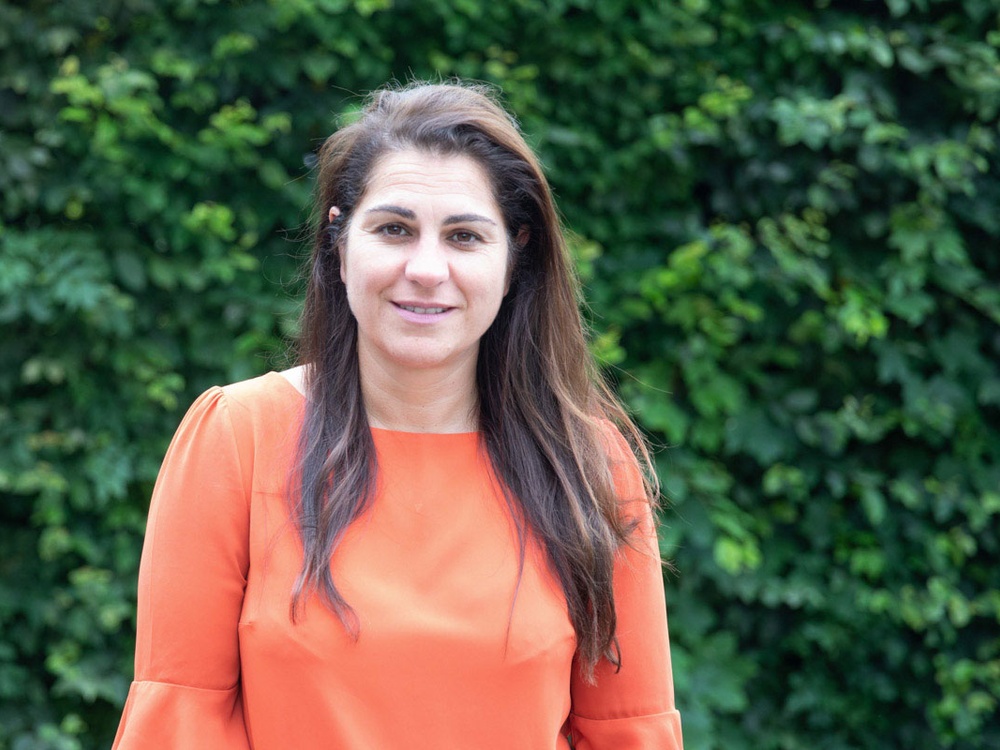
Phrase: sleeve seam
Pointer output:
(630, 717)
(224, 399)
(188, 687)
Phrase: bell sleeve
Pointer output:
(633, 708)
(192, 575)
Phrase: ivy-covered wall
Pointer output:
(787, 216)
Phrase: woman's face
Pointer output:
(425, 262)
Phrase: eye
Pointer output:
(465, 237)
(393, 230)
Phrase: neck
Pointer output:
(419, 400)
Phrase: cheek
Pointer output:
(365, 278)
(350, 271)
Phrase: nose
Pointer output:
(428, 263)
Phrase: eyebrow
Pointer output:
(389, 209)
(464, 218)
(408, 214)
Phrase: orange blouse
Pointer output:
(449, 655)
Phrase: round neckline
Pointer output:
(381, 430)
(388, 431)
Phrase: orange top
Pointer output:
(442, 659)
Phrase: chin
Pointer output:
(421, 358)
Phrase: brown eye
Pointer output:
(393, 230)
(464, 238)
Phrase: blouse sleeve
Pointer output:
(195, 560)
(632, 709)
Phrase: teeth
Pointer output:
(423, 310)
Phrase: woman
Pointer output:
(430, 534)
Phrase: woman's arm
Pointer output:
(195, 560)
(633, 708)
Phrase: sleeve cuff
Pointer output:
(649, 732)
(162, 716)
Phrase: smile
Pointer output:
(423, 310)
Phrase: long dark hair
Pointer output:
(546, 419)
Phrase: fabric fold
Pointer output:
(161, 716)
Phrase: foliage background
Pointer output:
(787, 217)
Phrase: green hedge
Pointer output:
(787, 215)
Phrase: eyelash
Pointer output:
(384, 230)
(388, 230)
(472, 237)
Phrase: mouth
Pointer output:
(423, 310)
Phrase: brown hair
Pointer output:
(544, 414)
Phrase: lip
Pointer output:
(422, 312)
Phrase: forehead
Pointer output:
(414, 175)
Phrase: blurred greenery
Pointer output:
(786, 216)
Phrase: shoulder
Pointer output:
(251, 426)
(265, 392)
(246, 402)
(250, 412)
(635, 496)
(249, 404)
(621, 458)
(613, 442)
